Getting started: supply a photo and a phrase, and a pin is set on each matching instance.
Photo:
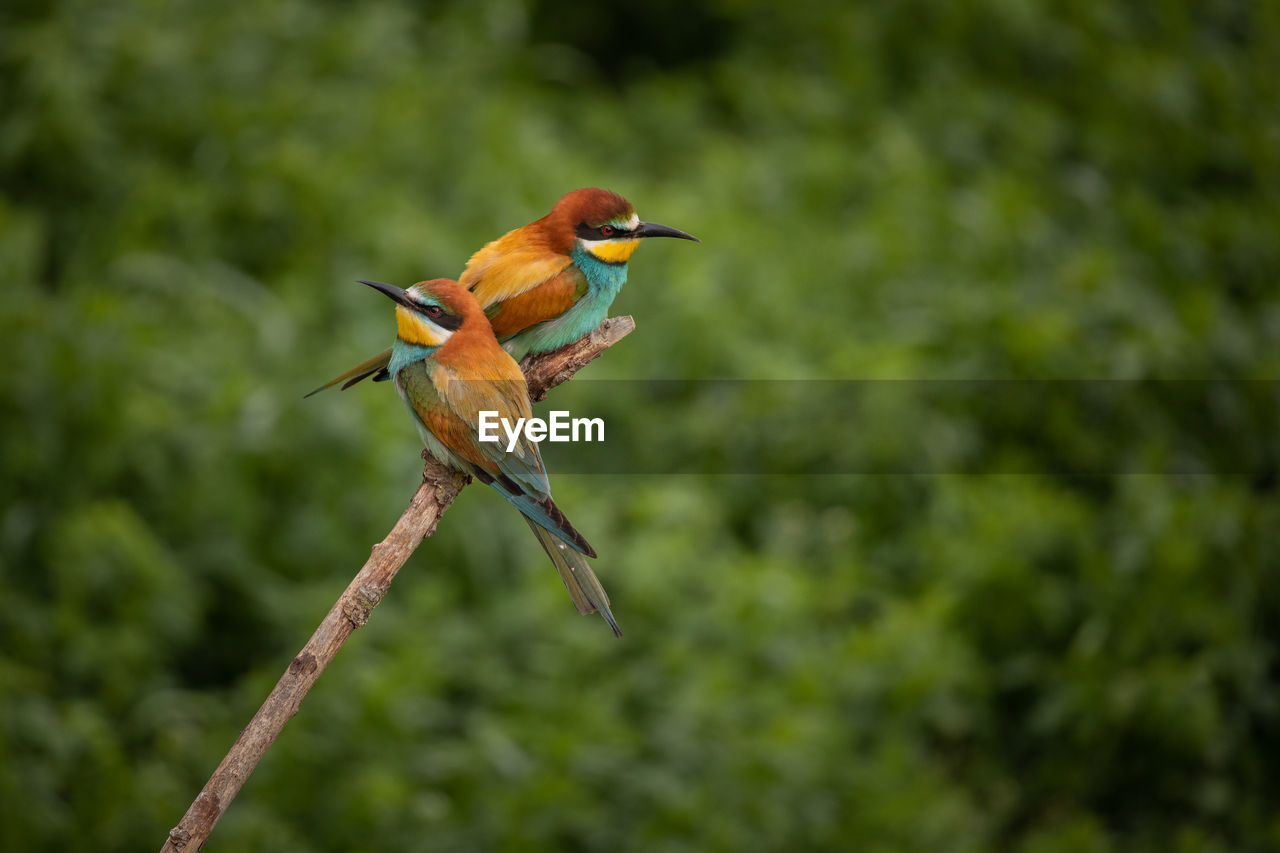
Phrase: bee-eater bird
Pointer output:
(551, 282)
(448, 367)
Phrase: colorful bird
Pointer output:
(551, 282)
(448, 368)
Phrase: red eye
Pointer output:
(434, 311)
(606, 230)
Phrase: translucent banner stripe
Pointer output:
(1088, 427)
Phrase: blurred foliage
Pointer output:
(995, 189)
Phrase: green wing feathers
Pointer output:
(509, 397)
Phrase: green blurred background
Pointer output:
(996, 189)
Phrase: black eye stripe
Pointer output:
(452, 322)
(443, 319)
(586, 232)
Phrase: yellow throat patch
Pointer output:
(414, 330)
(614, 251)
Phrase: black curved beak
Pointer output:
(395, 294)
(653, 229)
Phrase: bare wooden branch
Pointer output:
(544, 372)
(439, 487)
